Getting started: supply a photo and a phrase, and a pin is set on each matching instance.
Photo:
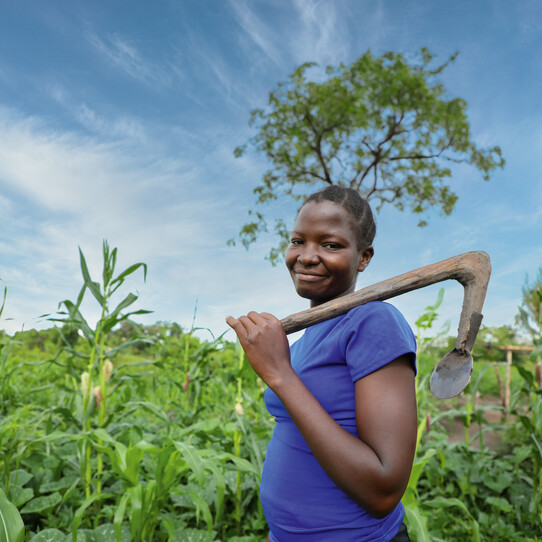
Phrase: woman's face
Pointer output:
(323, 256)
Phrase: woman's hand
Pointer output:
(265, 344)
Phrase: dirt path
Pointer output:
(492, 423)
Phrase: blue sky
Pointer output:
(118, 120)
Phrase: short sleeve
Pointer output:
(374, 335)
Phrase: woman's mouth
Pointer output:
(309, 277)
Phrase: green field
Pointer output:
(127, 432)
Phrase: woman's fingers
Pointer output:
(252, 319)
(265, 344)
(270, 318)
(255, 318)
(244, 325)
(232, 322)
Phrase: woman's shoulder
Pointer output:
(377, 317)
(375, 309)
(372, 315)
(375, 334)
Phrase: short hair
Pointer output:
(358, 209)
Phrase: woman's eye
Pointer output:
(296, 242)
(332, 246)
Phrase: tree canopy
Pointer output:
(382, 125)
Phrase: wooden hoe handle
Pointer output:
(471, 269)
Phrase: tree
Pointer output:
(382, 125)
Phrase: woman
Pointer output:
(343, 396)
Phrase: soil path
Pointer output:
(492, 425)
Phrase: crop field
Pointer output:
(119, 431)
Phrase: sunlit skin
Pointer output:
(324, 261)
(323, 255)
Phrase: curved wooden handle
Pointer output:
(471, 269)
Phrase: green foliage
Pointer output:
(530, 432)
(425, 322)
(530, 312)
(11, 523)
(117, 446)
(458, 492)
(179, 453)
(382, 125)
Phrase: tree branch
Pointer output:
(427, 156)
(318, 148)
(377, 153)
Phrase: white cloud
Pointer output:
(214, 72)
(260, 34)
(323, 35)
(122, 127)
(63, 172)
(63, 190)
(122, 53)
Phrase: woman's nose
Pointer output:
(309, 255)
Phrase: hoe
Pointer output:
(471, 269)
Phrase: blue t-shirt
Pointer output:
(300, 501)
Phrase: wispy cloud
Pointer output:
(123, 54)
(123, 127)
(260, 34)
(61, 190)
(101, 190)
(322, 36)
(216, 73)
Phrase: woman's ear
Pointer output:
(365, 258)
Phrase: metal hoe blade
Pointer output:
(452, 374)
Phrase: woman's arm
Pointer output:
(374, 469)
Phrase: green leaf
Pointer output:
(3, 300)
(120, 278)
(11, 523)
(21, 495)
(42, 505)
(154, 409)
(133, 463)
(417, 524)
(128, 344)
(195, 535)
(190, 455)
(119, 516)
(498, 482)
(70, 490)
(417, 469)
(220, 488)
(443, 502)
(20, 477)
(78, 516)
(203, 507)
(94, 287)
(110, 261)
(500, 504)
(241, 464)
(104, 533)
(114, 316)
(77, 319)
(49, 535)
(136, 510)
(58, 485)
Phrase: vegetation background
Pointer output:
(120, 121)
(148, 433)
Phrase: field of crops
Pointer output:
(126, 432)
